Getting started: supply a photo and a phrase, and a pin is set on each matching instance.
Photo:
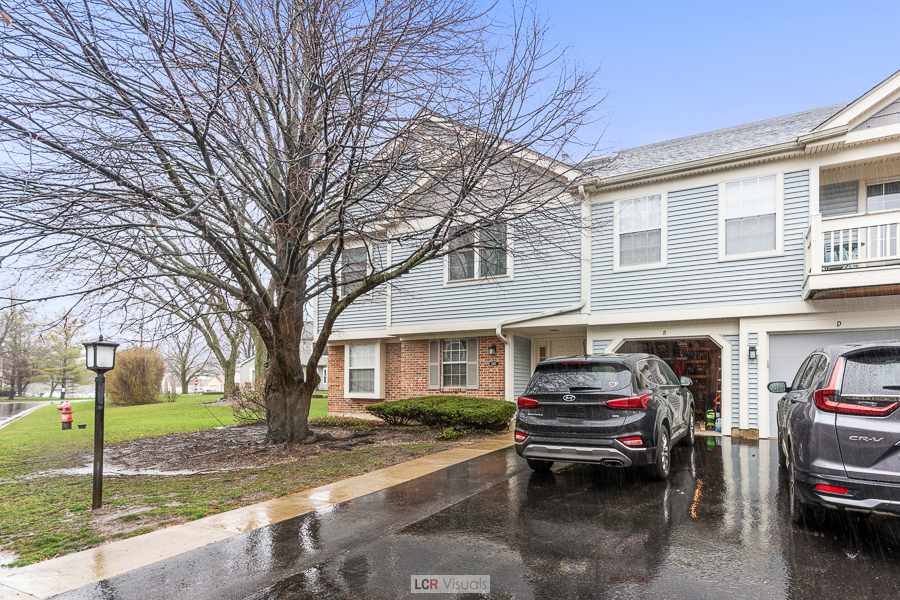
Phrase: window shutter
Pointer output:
(434, 365)
(472, 364)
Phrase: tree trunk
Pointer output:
(184, 385)
(262, 356)
(229, 369)
(288, 395)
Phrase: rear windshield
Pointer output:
(873, 372)
(569, 377)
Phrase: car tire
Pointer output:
(782, 457)
(659, 470)
(688, 439)
(541, 466)
(801, 512)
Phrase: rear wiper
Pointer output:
(581, 388)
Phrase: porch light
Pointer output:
(492, 350)
(752, 352)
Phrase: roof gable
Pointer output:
(866, 106)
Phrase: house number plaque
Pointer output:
(494, 363)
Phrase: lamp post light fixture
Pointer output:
(100, 357)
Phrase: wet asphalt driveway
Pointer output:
(719, 528)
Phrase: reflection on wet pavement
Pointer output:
(10, 411)
(719, 528)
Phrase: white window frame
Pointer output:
(779, 220)
(368, 265)
(864, 191)
(664, 242)
(472, 364)
(478, 279)
(445, 362)
(379, 370)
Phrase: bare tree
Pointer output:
(245, 145)
(61, 363)
(218, 319)
(186, 357)
(19, 349)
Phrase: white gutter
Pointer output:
(549, 313)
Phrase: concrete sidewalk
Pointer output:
(54, 576)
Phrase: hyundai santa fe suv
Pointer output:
(616, 410)
(839, 430)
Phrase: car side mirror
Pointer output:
(777, 387)
(685, 381)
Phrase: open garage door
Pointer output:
(788, 350)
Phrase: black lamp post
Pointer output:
(100, 357)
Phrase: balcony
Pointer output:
(853, 256)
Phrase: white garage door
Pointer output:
(787, 351)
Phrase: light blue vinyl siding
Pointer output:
(752, 384)
(695, 276)
(599, 346)
(546, 276)
(521, 364)
(839, 199)
(733, 414)
(369, 312)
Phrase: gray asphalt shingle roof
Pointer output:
(713, 143)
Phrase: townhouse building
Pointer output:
(731, 254)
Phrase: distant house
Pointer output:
(247, 369)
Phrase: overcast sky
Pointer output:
(678, 68)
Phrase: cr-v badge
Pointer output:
(569, 398)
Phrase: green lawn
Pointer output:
(38, 437)
(47, 516)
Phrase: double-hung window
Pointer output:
(453, 363)
(640, 232)
(478, 254)
(883, 196)
(750, 210)
(362, 360)
(353, 268)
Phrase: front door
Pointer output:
(548, 348)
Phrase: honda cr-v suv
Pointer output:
(839, 429)
(615, 410)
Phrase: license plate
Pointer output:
(570, 412)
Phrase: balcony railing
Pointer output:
(853, 242)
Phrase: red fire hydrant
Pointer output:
(66, 410)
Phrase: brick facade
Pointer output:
(406, 374)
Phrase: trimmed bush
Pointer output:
(445, 411)
(137, 377)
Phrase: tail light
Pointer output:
(829, 399)
(521, 437)
(633, 402)
(525, 402)
(633, 442)
(831, 489)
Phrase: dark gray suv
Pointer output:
(615, 410)
(839, 430)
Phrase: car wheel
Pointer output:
(660, 469)
(688, 439)
(801, 513)
(782, 457)
(541, 466)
